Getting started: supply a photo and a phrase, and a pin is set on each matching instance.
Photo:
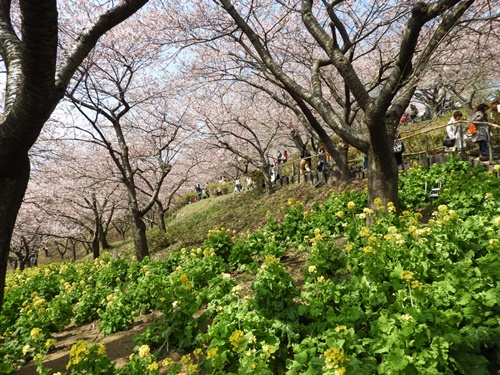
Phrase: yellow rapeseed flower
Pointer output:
(372, 240)
(364, 232)
(144, 351)
(236, 338)
(368, 249)
(391, 207)
(270, 259)
(167, 362)
(351, 206)
(35, 333)
(26, 349)
(340, 328)
(183, 278)
(378, 202)
(212, 353)
(153, 366)
(406, 317)
(406, 276)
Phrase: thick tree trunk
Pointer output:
(14, 176)
(140, 240)
(382, 178)
(339, 155)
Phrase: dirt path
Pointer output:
(118, 346)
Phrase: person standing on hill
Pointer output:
(199, 192)
(453, 131)
(321, 160)
(305, 161)
(481, 135)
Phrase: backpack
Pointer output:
(472, 128)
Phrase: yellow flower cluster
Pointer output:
(153, 366)
(269, 259)
(81, 350)
(368, 211)
(292, 202)
(406, 276)
(351, 206)
(216, 230)
(317, 236)
(378, 203)
(368, 250)
(364, 232)
(335, 360)
(391, 207)
(415, 284)
(340, 328)
(35, 333)
(212, 353)
(373, 240)
(236, 339)
(144, 351)
(184, 280)
(496, 221)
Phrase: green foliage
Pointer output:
(186, 199)
(410, 293)
(275, 291)
(157, 240)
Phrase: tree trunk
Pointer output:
(14, 176)
(102, 238)
(140, 240)
(339, 155)
(382, 178)
(161, 218)
(267, 179)
(95, 245)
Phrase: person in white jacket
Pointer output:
(453, 131)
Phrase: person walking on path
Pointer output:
(481, 135)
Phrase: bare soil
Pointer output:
(118, 346)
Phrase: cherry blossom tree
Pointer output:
(37, 74)
(247, 125)
(125, 93)
(375, 53)
(398, 38)
(70, 197)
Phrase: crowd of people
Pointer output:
(475, 131)
(458, 135)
